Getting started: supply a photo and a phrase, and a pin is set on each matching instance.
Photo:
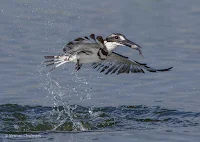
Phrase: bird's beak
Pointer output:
(132, 45)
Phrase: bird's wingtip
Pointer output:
(167, 69)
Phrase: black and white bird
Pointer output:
(99, 52)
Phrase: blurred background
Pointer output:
(168, 31)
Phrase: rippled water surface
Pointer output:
(89, 106)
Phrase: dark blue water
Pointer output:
(89, 106)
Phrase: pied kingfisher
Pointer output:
(99, 52)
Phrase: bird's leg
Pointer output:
(78, 65)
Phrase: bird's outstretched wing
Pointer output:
(81, 40)
(117, 64)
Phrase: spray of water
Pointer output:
(61, 94)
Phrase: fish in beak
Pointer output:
(132, 45)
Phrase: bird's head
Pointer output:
(117, 39)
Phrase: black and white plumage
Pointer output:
(99, 52)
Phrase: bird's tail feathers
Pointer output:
(56, 60)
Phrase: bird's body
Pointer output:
(99, 52)
(85, 52)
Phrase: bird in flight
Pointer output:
(99, 52)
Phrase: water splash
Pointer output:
(25, 119)
(60, 95)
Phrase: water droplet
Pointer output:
(16, 126)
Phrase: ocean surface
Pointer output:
(88, 106)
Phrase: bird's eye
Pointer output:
(116, 37)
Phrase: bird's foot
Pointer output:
(78, 66)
